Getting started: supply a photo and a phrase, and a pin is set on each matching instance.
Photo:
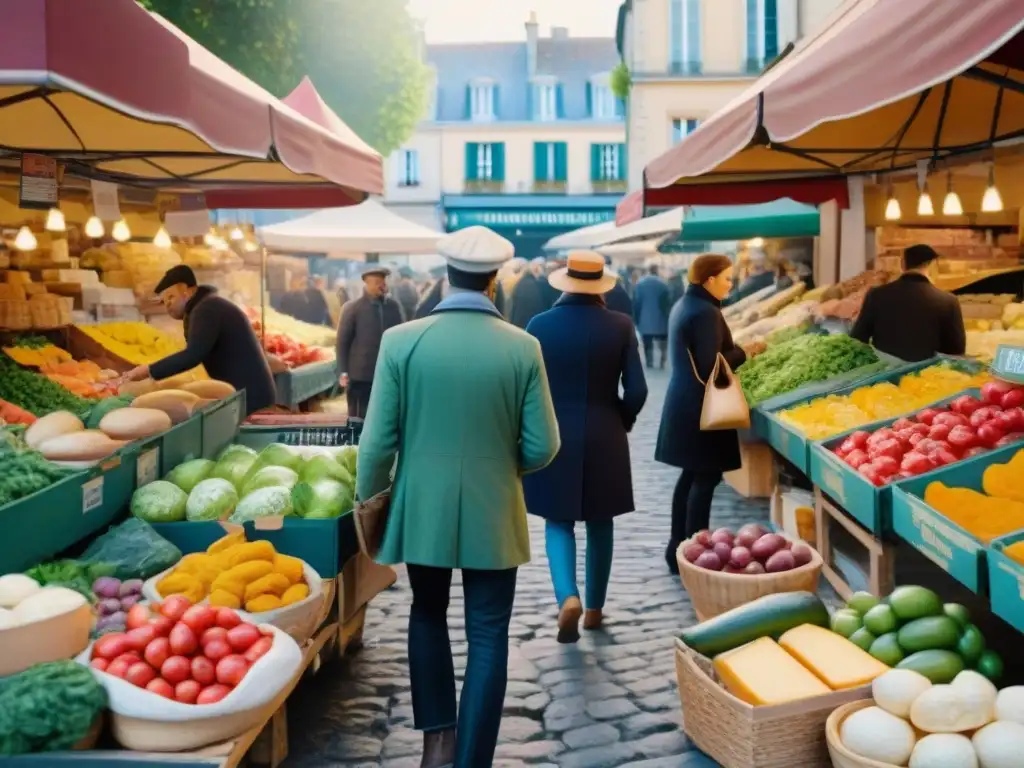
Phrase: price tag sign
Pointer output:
(1009, 363)
(105, 203)
(38, 189)
(147, 467)
(92, 495)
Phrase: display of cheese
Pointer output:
(982, 345)
(832, 658)
(762, 673)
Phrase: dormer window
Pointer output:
(481, 100)
(546, 97)
(603, 103)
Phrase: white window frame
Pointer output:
(481, 101)
(603, 104)
(610, 161)
(485, 162)
(762, 34)
(545, 99)
(683, 127)
(408, 163)
(684, 37)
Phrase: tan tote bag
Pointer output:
(724, 407)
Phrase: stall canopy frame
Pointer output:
(608, 233)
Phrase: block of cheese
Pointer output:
(762, 673)
(832, 658)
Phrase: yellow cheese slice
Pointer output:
(832, 658)
(761, 673)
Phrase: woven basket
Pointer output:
(739, 735)
(841, 756)
(715, 592)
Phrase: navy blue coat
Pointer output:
(696, 326)
(588, 349)
(617, 300)
(652, 301)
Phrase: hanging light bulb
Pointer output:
(237, 234)
(25, 241)
(952, 206)
(992, 201)
(120, 232)
(251, 247)
(210, 238)
(55, 221)
(161, 239)
(756, 242)
(893, 212)
(94, 228)
(924, 202)
(219, 243)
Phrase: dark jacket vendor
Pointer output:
(910, 318)
(218, 336)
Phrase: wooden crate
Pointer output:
(84, 347)
(832, 523)
(756, 478)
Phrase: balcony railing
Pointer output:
(549, 187)
(608, 186)
(484, 187)
(685, 68)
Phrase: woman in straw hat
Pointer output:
(588, 350)
(697, 330)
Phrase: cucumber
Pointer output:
(768, 616)
(929, 633)
(912, 602)
(937, 666)
(887, 650)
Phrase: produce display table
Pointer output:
(220, 423)
(298, 385)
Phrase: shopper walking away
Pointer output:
(318, 311)
(588, 350)
(295, 303)
(406, 295)
(530, 296)
(218, 336)
(362, 326)
(698, 334)
(910, 318)
(651, 305)
(462, 399)
(617, 299)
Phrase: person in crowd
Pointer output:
(457, 498)
(758, 276)
(318, 311)
(676, 289)
(218, 336)
(441, 290)
(406, 294)
(651, 305)
(530, 296)
(509, 277)
(551, 294)
(588, 350)
(910, 318)
(698, 334)
(785, 275)
(341, 291)
(363, 323)
(295, 303)
(617, 299)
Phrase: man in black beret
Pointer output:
(218, 336)
(910, 318)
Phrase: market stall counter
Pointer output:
(299, 385)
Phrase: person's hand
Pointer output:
(754, 348)
(137, 374)
(343, 380)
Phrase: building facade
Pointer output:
(689, 58)
(523, 137)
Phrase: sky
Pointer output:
(449, 21)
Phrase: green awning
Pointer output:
(711, 223)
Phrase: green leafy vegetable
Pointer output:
(23, 473)
(36, 393)
(71, 574)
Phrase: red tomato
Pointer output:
(846, 447)
(1013, 399)
(100, 664)
(951, 419)
(216, 650)
(870, 474)
(204, 670)
(138, 616)
(176, 669)
(927, 416)
(183, 640)
(129, 658)
(921, 429)
(117, 668)
(859, 438)
(212, 694)
(993, 392)
(187, 691)
(962, 438)
(880, 436)
(891, 447)
(857, 458)
(939, 431)
(213, 633)
(965, 405)
(199, 618)
(158, 651)
(162, 624)
(916, 463)
(989, 434)
(140, 674)
(916, 438)
(111, 646)
(1010, 439)
(231, 669)
(983, 415)
(242, 637)
(139, 638)
(943, 457)
(976, 450)
(227, 618)
(259, 649)
(887, 466)
(161, 687)
(902, 423)
(175, 606)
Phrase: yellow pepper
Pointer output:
(224, 599)
(289, 567)
(244, 553)
(179, 584)
(295, 594)
(226, 542)
(271, 584)
(238, 578)
(263, 603)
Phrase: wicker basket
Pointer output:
(739, 735)
(841, 756)
(715, 592)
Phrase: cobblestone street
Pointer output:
(609, 701)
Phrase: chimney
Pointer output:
(531, 44)
(559, 33)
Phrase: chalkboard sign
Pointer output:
(1009, 363)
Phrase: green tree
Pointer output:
(259, 38)
(365, 58)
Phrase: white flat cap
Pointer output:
(475, 249)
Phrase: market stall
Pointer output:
(629, 243)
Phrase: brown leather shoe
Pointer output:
(592, 618)
(438, 749)
(569, 620)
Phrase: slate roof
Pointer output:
(573, 61)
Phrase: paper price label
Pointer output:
(92, 495)
(147, 466)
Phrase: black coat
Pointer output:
(530, 297)
(360, 331)
(911, 319)
(587, 351)
(220, 338)
(696, 326)
(617, 300)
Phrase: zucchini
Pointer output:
(768, 616)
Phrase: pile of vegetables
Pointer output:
(286, 325)
(24, 472)
(136, 342)
(965, 723)
(293, 353)
(131, 550)
(71, 574)
(913, 629)
(804, 360)
(36, 393)
(753, 550)
(24, 601)
(114, 598)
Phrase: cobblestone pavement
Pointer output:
(609, 701)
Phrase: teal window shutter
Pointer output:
(559, 101)
(771, 30)
(693, 29)
(471, 156)
(469, 102)
(595, 162)
(621, 150)
(561, 161)
(620, 108)
(675, 27)
(590, 99)
(540, 161)
(497, 102)
(531, 101)
(498, 161)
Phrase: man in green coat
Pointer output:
(461, 399)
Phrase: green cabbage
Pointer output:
(188, 475)
(211, 499)
(233, 448)
(324, 467)
(274, 455)
(266, 502)
(268, 477)
(159, 502)
(234, 467)
(347, 457)
(322, 499)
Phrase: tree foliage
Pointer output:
(621, 81)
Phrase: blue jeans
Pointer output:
(560, 538)
(489, 596)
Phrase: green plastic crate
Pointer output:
(160, 454)
(298, 385)
(1006, 582)
(220, 423)
(258, 437)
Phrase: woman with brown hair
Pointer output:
(697, 335)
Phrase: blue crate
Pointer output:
(298, 385)
(1006, 582)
